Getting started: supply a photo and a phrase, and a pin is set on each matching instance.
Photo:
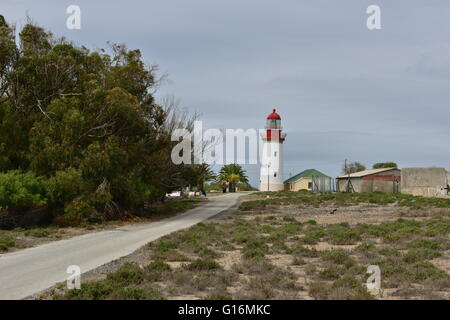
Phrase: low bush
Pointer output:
(37, 233)
(65, 186)
(339, 257)
(92, 291)
(129, 273)
(255, 249)
(22, 190)
(23, 200)
(6, 243)
(202, 265)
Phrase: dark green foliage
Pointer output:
(129, 273)
(342, 234)
(65, 186)
(255, 249)
(417, 255)
(5, 243)
(381, 165)
(92, 291)
(21, 190)
(339, 257)
(84, 124)
(37, 233)
(165, 246)
(232, 174)
(156, 270)
(330, 273)
(202, 265)
(350, 288)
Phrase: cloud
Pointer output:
(343, 91)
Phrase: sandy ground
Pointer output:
(364, 213)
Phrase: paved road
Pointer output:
(28, 271)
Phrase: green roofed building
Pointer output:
(304, 180)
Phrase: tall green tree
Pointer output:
(232, 174)
(201, 174)
(87, 122)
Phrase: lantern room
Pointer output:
(273, 121)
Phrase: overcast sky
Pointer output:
(342, 90)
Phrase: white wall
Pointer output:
(272, 154)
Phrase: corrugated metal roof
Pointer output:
(366, 173)
(306, 174)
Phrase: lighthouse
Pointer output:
(272, 154)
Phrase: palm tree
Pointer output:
(232, 174)
(202, 173)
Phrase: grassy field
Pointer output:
(20, 238)
(288, 246)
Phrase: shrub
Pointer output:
(22, 190)
(37, 233)
(218, 296)
(255, 249)
(93, 208)
(389, 252)
(137, 293)
(349, 288)
(5, 243)
(339, 257)
(65, 186)
(202, 265)
(417, 255)
(366, 246)
(156, 270)
(340, 234)
(92, 291)
(427, 244)
(158, 265)
(330, 273)
(75, 213)
(302, 251)
(165, 246)
(318, 290)
(425, 270)
(129, 273)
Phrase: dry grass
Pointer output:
(280, 252)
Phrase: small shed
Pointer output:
(304, 180)
(382, 180)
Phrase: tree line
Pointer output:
(82, 138)
(352, 167)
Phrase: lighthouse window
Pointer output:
(275, 174)
(275, 153)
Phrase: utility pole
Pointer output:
(348, 173)
(348, 177)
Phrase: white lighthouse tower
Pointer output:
(272, 155)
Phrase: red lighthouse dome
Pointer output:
(274, 115)
(273, 127)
